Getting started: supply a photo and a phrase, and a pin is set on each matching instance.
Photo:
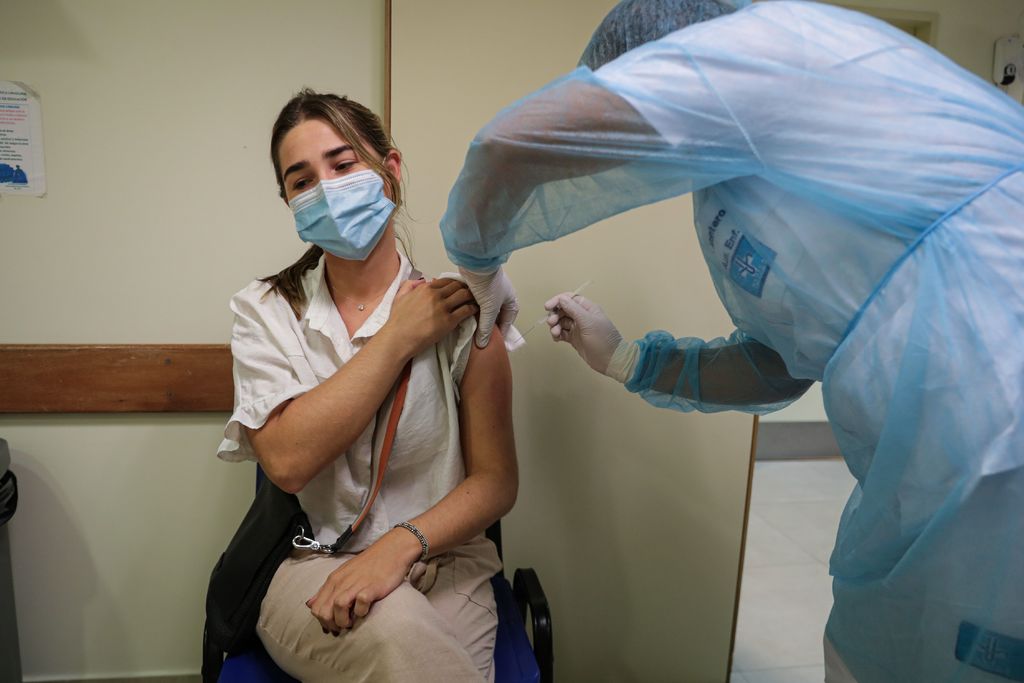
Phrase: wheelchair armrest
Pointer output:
(529, 594)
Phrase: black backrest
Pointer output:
(494, 533)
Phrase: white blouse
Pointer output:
(278, 357)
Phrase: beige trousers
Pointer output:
(438, 625)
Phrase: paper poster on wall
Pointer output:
(21, 141)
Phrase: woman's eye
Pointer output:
(344, 166)
(300, 184)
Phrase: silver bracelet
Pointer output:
(419, 535)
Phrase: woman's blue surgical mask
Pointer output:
(345, 216)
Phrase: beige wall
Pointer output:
(161, 204)
(966, 33)
(630, 514)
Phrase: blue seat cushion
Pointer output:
(513, 656)
(253, 666)
(514, 661)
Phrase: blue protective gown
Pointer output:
(859, 201)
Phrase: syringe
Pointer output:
(544, 319)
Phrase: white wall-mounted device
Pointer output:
(1008, 64)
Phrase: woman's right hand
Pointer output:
(424, 312)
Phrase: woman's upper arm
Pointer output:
(485, 410)
(257, 435)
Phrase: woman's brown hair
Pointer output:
(362, 129)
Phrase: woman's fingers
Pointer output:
(321, 609)
(426, 316)
(362, 605)
(408, 286)
(458, 298)
(332, 604)
(446, 285)
(342, 612)
(464, 311)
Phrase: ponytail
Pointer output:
(288, 283)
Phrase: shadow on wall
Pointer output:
(121, 519)
(54, 573)
(607, 522)
(566, 500)
(41, 28)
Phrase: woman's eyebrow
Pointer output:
(298, 166)
(337, 150)
(295, 167)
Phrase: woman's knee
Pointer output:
(405, 616)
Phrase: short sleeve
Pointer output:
(461, 343)
(457, 346)
(269, 367)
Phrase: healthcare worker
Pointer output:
(859, 202)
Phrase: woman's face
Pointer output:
(313, 151)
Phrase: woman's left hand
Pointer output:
(352, 588)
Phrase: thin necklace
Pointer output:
(360, 306)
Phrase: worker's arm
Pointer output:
(738, 373)
(568, 156)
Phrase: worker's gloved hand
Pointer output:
(496, 298)
(583, 324)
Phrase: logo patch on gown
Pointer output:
(990, 651)
(750, 264)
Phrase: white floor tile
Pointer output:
(801, 481)
(768, 547)
(782, 617)
(800, 674)
(786, 594)
(811, 526)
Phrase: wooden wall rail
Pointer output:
(131, 378)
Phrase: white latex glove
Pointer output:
(583, 324)
(496, 298)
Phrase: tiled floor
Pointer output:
(787, 593)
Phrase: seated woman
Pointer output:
(317, 349)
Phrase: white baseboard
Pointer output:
(141, 678)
